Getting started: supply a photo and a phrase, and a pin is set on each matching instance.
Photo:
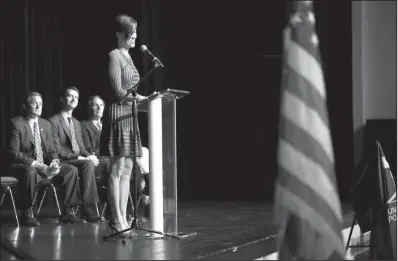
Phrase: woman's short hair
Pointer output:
(126, 25)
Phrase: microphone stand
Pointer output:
(134, 224)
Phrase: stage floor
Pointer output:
(225, 231)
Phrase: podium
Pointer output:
(162, 118)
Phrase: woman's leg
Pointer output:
(114, 191)
(125, 188)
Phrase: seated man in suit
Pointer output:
(92, 127)
(91, 131)
(68, 141)
(33, 157)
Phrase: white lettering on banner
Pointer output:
(392, 213)
(392, 218)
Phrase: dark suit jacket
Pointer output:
(21, 146)
(62, 139)
(91, 137)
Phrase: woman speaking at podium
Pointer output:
(122, 75)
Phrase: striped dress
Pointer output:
(122, 76)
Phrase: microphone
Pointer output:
(156, 60)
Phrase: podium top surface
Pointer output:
(166, 94)
(172, 93)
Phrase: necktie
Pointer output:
(99, 125)
(75, 146)
(38, 148)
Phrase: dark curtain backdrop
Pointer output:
(31, 56)
(227, 126)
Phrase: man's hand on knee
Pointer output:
(42, 169)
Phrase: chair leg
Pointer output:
(103, 211)
(41, 202)
(56, 198)
(139, 201)
(76, 211)
(96, 207)
(131, 202)
(34, 198)
(13, 205)
(2, 197)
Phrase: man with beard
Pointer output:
(68, 141)
(33, 158)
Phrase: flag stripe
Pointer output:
(310, 147)
(307, 119)
(307, 66)
(305, 91)
(318, 204)
(309, 173)
(287, 35)
(305, 44)
(291, 201)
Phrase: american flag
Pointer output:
(307, 205)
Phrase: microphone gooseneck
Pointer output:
(156, 60)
